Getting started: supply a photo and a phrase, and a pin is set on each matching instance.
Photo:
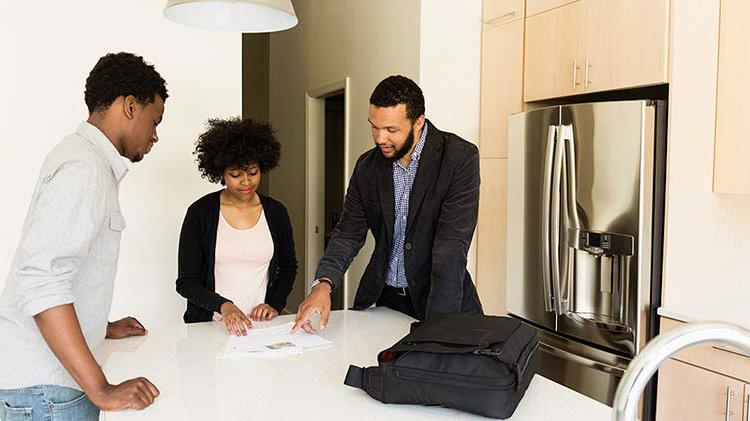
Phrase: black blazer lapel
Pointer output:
(384, 181)
(429, 165)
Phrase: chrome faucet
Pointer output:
(645, 364)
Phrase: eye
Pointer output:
(234, 175)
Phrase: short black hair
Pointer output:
(395, 90)
(122, 74)
(236, 143)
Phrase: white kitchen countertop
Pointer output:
(181, 361)
(733, 310)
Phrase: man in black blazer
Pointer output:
(417, 191)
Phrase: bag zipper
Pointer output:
(495, 353)
(416, 374)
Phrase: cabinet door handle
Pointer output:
(747, 404)
(729, 413)
(586, 82)
(575, 74)
(501, 17)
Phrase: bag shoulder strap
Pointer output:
(369, 379)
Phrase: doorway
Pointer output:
(326, 168)
(334, 176)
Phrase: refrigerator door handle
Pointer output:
(567, 355)
(571, 176)
(570, 207)
(546, 198)
(557, 166)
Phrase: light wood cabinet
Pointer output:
(704, 373)
(718, 358)
(626, 43)
(555, 52)
(732, 145)
(501, 85)
(499, 11)
(689, 393)
(596, 45)
(491, 234)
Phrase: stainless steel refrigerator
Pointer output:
(585, 229)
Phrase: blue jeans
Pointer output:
(46, 403)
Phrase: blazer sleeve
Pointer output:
(455, 229)
(287, 266)
(191, 282)
(348, 236)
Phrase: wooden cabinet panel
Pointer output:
(491, 233)
(723, 361)
(534, 7)
(502, 83)
(732, 145)
(626, 43)
(596, 45)
(497, 11)
(689, 393)
(555, 46)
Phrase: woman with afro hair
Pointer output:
(236, 258)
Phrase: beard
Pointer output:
(403, 150)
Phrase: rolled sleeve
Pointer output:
(63, 222)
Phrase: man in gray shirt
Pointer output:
(55, 305)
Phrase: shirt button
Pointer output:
(408, 246)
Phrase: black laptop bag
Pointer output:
(470, 362)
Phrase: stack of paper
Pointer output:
(272, 342)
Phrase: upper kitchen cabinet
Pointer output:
(555, 52)
(596, 45)
(732, 147)
(626, 43)
(500, 11)
(502, 82)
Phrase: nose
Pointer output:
(155, 137)
(381, 137)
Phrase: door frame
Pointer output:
(315, 173)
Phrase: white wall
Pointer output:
(46, 56)
(449, 62)
(707, 239)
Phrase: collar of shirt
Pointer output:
(100, 140)
(417, 152)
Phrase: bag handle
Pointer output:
(369, 379)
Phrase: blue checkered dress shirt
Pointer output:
(403, 179)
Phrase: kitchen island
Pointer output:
(182, 361)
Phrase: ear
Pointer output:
(419, 122)
(129, 104)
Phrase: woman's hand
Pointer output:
(237, 322)
(263, 312)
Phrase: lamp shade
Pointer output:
(233, 15)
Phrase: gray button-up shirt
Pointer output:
(403, 180)
(67, 254)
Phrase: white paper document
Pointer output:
(272, 342)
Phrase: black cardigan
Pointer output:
(195, 272)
